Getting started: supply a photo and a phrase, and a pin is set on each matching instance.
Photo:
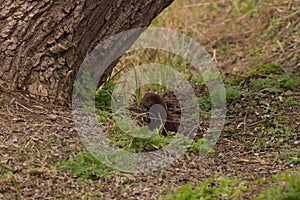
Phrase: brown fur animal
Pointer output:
(159, 115)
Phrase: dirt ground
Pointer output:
(35, 136)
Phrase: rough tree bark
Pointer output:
(43, 43)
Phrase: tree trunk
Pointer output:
(43, 43)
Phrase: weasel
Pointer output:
(159, 115)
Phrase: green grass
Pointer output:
(200, 146)
(104, 116)
(291, 156)
(233, 92)
(141, 139)
(275, 83)
(291, 101)
(210, 189)
(275, 133)
(244, 7)
(204, 102)
(267, 69)
(290, 189)
(225, 46)
(103, 96)
(275, 80)
(227, 188)
(84, 166)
